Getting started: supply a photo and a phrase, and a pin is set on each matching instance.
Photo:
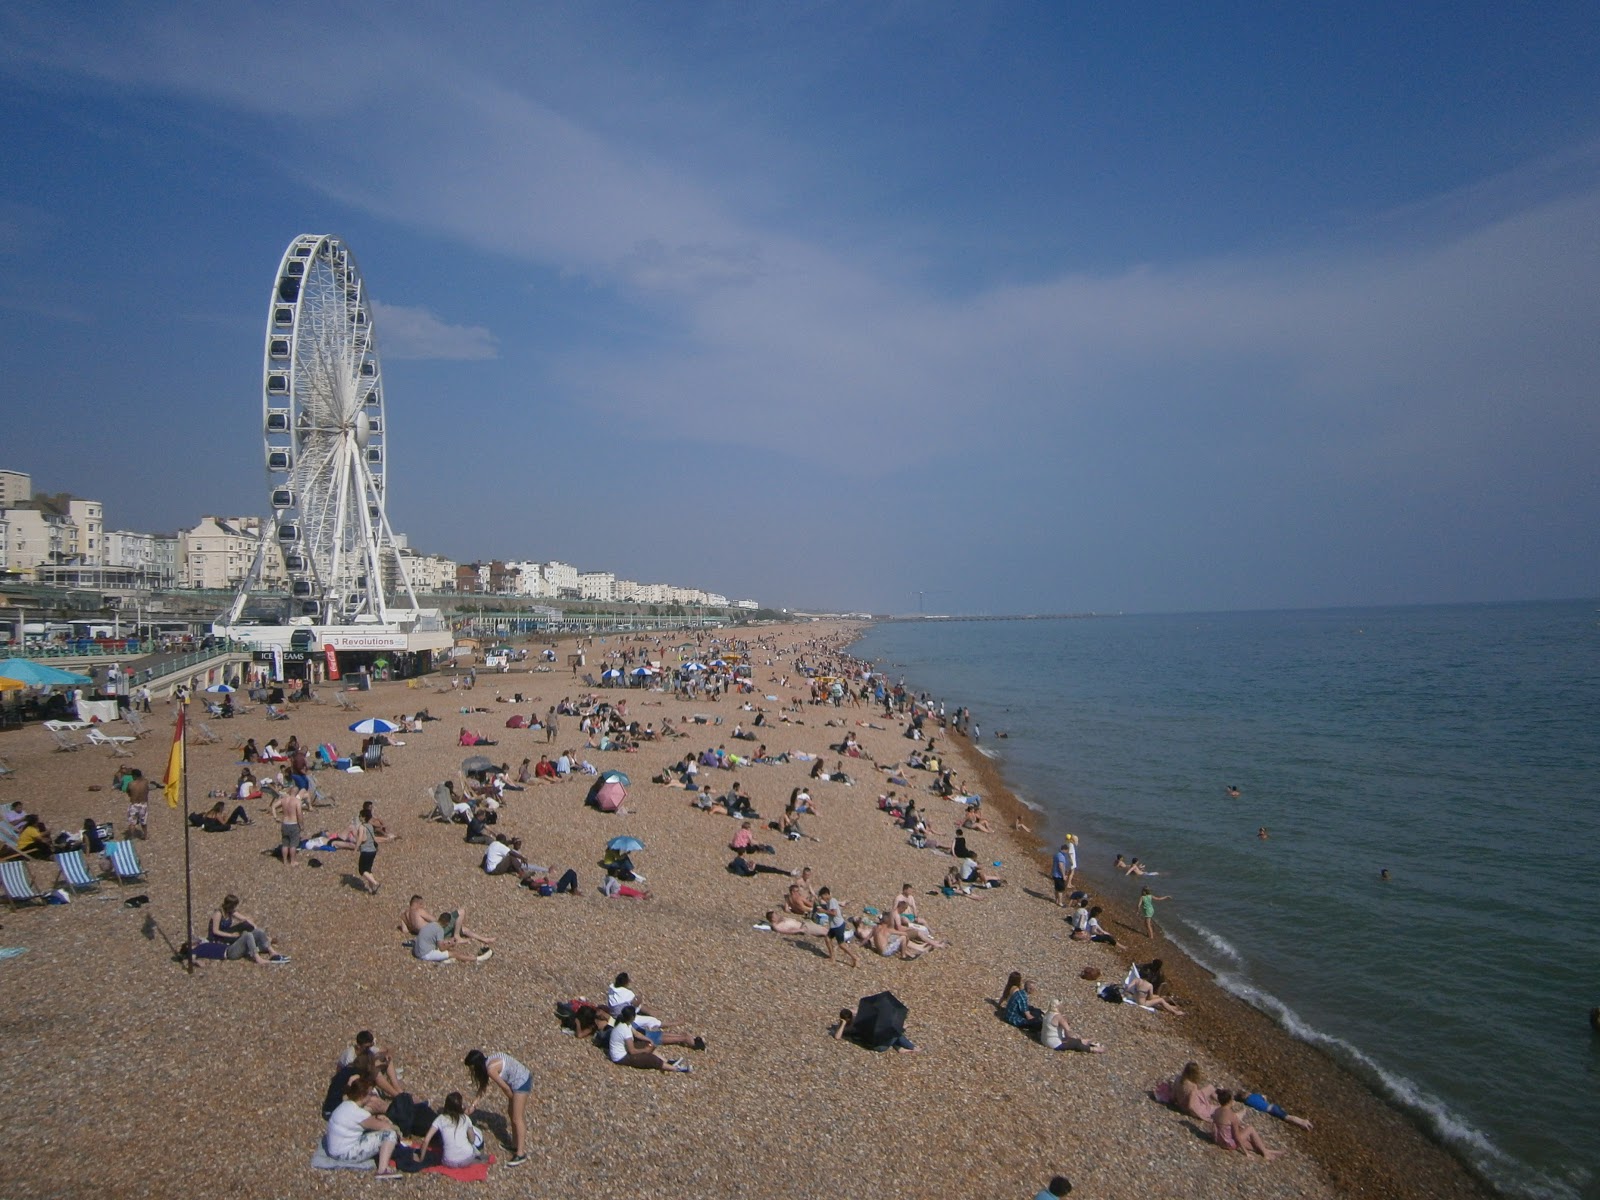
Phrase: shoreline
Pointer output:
(237, 1056)
(1363, 1143)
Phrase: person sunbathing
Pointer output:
(1190, 1094)
(1228, 1129)
(1142, 994)
(885, 941)
(787, 922)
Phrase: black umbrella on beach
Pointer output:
(879, 1020)
(475, 764)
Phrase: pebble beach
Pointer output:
(135, 1078)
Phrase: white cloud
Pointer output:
(416, 333)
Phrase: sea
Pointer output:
(1455, 747)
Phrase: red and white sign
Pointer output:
(333, 660)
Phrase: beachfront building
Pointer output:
(36, 536)
(88, 527)
(218, 552)
(427, 572)
(152, 558)
(748, 604)
(561, 579)
(596, 585)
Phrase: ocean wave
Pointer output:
(1218, 943)
(1505, 1173)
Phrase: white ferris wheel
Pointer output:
(326, 441)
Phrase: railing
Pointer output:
(81, 649)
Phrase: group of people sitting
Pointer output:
(630, 1036)
(372, 1118)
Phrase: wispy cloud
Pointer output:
(406, 332)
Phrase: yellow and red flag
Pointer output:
(172, 785)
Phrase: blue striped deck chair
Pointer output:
(19, 885)
(8, 842)
(124, 862)
(75, 871)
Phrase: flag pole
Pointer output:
(188, 829)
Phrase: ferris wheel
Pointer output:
(326, 439)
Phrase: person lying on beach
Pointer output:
(1189, 1093)
(469, 738)
(213, 820)
(1228, 1129)
(783, 922)
(953, 886)
(885, 941)
(611, 886)
(1056, 1034)
(742, 866)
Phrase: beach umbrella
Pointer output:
(613, 673)
(625, 844)
(642, 672)
(374, 725)
(693, 666)
(11, 685)
(608, 797)
(476, 763)
(221, 689)
(879, 1020)
(615, 777)
(32, 674)
(719, 662)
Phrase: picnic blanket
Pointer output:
(476, 1173)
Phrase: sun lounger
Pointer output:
(65, 726)
(19, 885)
(137, 723)
(342, 699)
(124, 860)
(63, 741)
(75, 871)
(204, 735)
(96, 738)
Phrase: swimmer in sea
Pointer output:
(1383, 875)
(1233, 792)
(1262, 833)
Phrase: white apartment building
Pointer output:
(152, 555)
(16, 487)
(35, 536)
(596, 585)
(219, 552)
(88, 543)
(561, 578)
(429, 572)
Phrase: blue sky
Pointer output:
(1030, 307)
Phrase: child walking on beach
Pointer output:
(1147, 910)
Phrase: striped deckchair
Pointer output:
(19, 885)
(75, 871)
(124, 860)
